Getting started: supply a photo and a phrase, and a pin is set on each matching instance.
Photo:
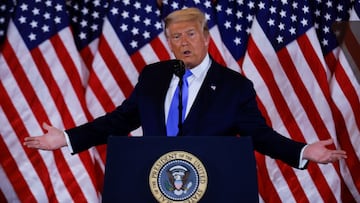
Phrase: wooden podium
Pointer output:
(224, 169)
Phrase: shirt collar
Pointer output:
(202, 68)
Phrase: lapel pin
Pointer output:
(213, 87)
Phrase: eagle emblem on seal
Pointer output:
(177, 182)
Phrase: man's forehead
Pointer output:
(184, 26)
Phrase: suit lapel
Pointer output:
(205, 98)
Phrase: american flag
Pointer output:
(67, 62)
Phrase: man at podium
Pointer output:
(218, 102)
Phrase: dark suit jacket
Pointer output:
(225, 106)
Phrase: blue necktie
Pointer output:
(173, 116)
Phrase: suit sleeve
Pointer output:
(119, 122)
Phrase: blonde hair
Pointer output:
(187, 14)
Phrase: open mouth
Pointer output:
(187, 52)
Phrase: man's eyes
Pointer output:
(188, 34)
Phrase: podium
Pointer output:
(223, 169)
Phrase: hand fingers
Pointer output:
(336, 156)
(35, 142)
(31, 142)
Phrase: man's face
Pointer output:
(188, 42)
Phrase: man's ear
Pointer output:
(207, 39)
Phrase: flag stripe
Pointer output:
(62, 106)
(265, 184)
(68, 64)
(286, 114)
(115, 67)
(138, 61)
(160, 50)
(71, 71)
(101, 93)
(19, 183)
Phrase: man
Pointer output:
(221, 102)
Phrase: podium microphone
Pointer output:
(179, 70)
(178, 67)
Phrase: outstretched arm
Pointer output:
(318, 152)
(53, 139)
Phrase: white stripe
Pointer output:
(163, 40)
(21, 159)
(264, 95)
(278, 180)
(120, 52)
(344, 106)
(223, 50)
(291, 99)
(107, 79)
(349, 181)
(6, 187)
(41, 89)
(148, 54)
(33, 127)
(68, 41)
(76, 111)
(94, 106)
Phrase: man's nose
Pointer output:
(184, 40)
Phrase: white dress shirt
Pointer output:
(194, 81)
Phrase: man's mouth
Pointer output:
(186, 53)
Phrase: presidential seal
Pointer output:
(178, 176)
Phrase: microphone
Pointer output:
(178, 67)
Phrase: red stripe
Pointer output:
(71, 71)
(2, 196)
(101, 94)
(114, 66)
(287, 172)
(33, 102)
(14, 175)
(39, 111)
(7, 161)
(102, 151)
(352, 161)
(287, 118)
(215, 53)
(320, 74)
(138, 61)
(67, 119)
(87, 56)
(94, 82)
(302, 197)
(303, 94)
(266, 186)
(99, 176)
(343, 136)
(160, 49)
(316, 66)
(75, 79)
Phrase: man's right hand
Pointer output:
(53, 139)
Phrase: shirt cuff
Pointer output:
(302, 162)
(68, 142)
